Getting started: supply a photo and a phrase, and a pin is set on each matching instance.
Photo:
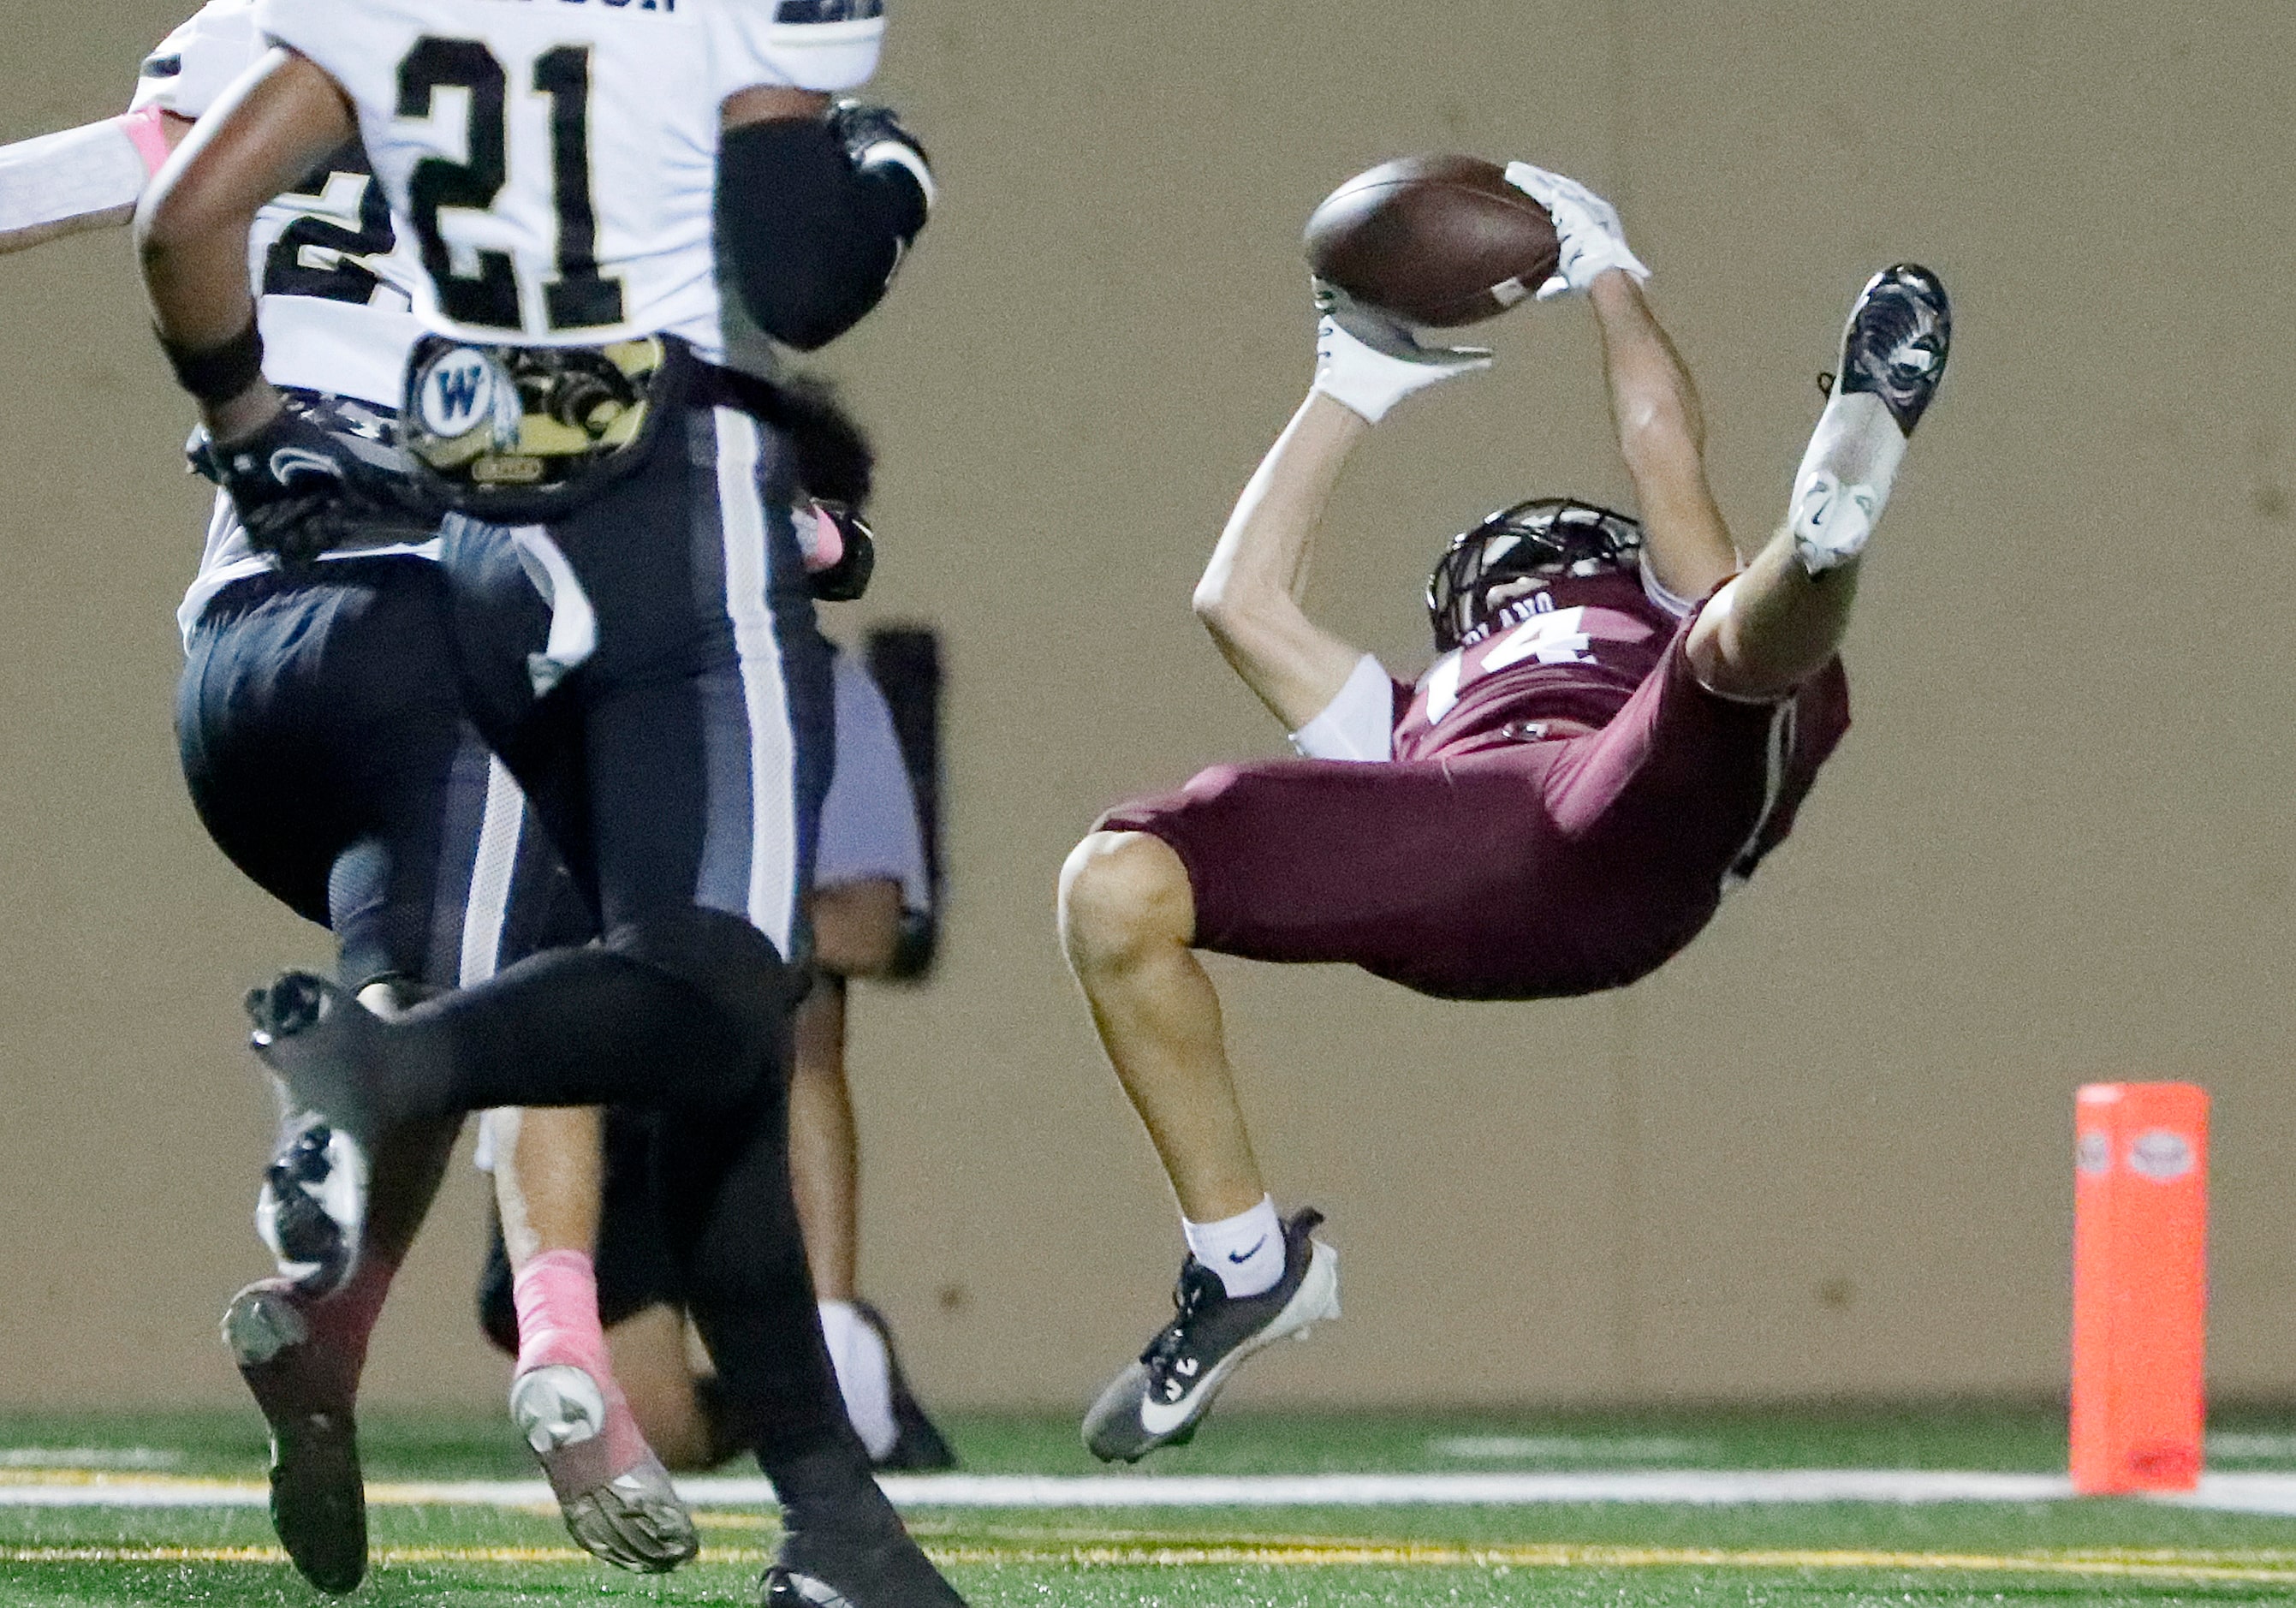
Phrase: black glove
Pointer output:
(310, 481)
(876, 141)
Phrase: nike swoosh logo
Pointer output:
(1161, 1418)
(1241, 1257)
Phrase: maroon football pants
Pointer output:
(1526, 872)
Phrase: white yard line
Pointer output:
(2249, 1493)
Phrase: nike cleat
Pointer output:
(327, 1051)
(876, 1567)
(312, 1208)
(635, 1518)
(306, 1390)
(1159, 1399)
(918, 1446)
(1896, 343)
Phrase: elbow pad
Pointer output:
(816, 217)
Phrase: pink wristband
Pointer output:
(147, 131)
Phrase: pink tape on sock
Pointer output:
(147, 130)
(556, 1295)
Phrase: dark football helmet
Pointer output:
(1552, 536)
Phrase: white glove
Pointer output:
(1367, 361)
(1592, 241)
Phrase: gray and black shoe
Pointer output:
(1899, 334)
(918, 1446)
(326, 1049)
(1159, 1399)
(634, 1520)
(307, 1390)
(879, 1566)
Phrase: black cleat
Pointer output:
(918, 1446)
(327, 1050)
(1159, 1399)
(311, 1208)
(1897, 341)
(877, 1568)
(306, 1392)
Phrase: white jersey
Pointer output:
(334, 290)
(555, 161)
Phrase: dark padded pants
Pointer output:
(648, 669)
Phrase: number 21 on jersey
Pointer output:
(578, 296)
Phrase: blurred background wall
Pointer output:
(1825, 1151)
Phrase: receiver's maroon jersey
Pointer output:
(1487, 859)
(1575, 650)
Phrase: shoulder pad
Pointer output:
(822, 44)
(198, 61)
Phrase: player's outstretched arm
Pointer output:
(272, 127)
(1661, 430)
(1663, 437)
(1248, 598)
(84, 178)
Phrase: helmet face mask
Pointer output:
(1545, 537)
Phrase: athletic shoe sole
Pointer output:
(1903, 366)
(313, 1210)
(634, 1520)
(318, 1499)
(1117, 1430)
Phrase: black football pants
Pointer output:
(649, 670)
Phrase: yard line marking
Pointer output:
(47, 1457)
(1572, 1448)
(2269, 1493)
(384, 1556)
(1214, 1554)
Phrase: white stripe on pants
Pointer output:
(773, 745)
(493, 870)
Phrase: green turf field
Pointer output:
(1834, 1554)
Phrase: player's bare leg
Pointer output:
(1127, 918)
(1780, 622)
(825, 1145)
(653, 1359)
(856, 926)
(301, 1349)
(564, 1396)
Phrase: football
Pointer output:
(1437, 240)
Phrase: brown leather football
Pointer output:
(1437, 240)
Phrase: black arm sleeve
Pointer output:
(812, 242)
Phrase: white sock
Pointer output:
(1246, 1249)
(1844, 480)
(865, 1375)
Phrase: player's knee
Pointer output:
(738, 974)
(1123, 893)
(1728, 661)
